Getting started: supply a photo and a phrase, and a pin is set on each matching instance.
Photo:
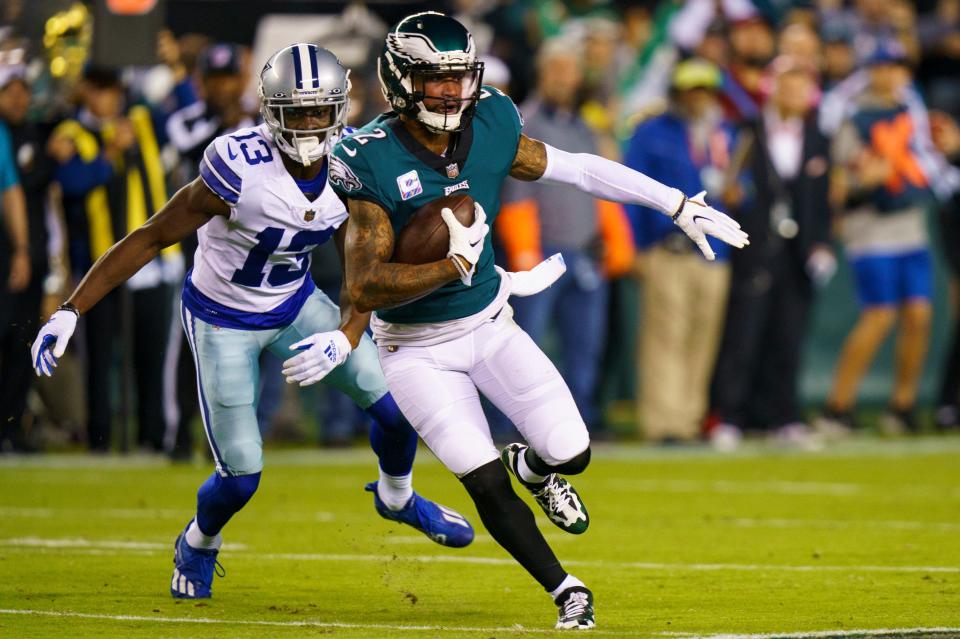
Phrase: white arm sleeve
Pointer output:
(609, 180)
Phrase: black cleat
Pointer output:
(575, 609)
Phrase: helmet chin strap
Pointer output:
(305, 147)
(436, 121)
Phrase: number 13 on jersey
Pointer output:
(268, 241)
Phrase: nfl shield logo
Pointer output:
(309, 215)
(453, 170)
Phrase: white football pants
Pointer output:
(436, 388)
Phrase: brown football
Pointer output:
(425, 238)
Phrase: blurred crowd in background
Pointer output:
(826, 128)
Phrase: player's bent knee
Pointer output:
(568, 446)
(242, 458)
(575, 465)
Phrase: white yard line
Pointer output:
(824, 634)
(893, 524)
(760, 487)
(84, 546)
(517, 629)
(325, 517)
(142, 513)
(779, 487)
(80, 542)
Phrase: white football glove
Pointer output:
(541, 276)
(697, 220)
(322, 352)
(52, 341)
(466, 242)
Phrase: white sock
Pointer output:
(526, 474)
(569, 582)
(196, 538)
(395, 490)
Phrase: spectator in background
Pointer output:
(15, 279)
(22, 309)
(868, 20)
(946, 136)
(939, 36)
(190, 130)
(166, 87)
(112, 181)
(495, 73)
(884, 230)
(752, 47)
(219, 110)
(782, 161)
(538, 220)
(597, 94)
(839, 60)
(802, 43)
(684, 296)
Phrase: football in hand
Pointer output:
(425, 238)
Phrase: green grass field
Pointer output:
(683, 543)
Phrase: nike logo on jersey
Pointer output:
(233, 156)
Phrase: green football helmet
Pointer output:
(424, 46)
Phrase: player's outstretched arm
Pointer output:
(372, 281)
(610, 180)
(189, 209)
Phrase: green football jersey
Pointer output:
(382, 162)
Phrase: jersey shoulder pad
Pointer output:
(500, 109)
(342, 176)
(222, 166)
(352, 172)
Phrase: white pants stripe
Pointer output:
(204, 409)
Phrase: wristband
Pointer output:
(68, 306)
(683, 203)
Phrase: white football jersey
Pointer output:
(259, 258)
